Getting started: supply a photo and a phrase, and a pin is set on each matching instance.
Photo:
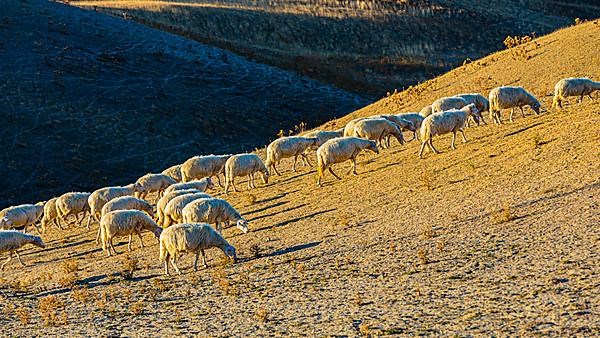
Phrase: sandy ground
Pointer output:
(497, 238)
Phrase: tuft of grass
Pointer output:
(249, 199)
(137, 308)
(262, 314)
(23, 315)
(428, 232)
(70, 266)
(503, 215)
(51, 310)
(130, 265)
(363, 328)
(422, 254)
(81, 295)
(255, 250)
(426, 180)
(440, 246)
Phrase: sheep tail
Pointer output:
(163, 252)
(320, 165)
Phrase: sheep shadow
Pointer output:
(523, 129)
(278, 196)
(286, 222)
(95, 281)
(292, 249)
(276, 213)
(266, 207)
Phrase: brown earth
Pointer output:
(497, 238)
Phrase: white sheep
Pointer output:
(72, 203)
(242, 165)
(166, 198)
(511, 97)
(172, 213)
(125, 223)
(573, 87)
(447, 103)
(426, 111)
(349, 127)
(202, 185)
(199, 167)
(12, 240)
(402, 123)
(481, 103)
(324, 136)
(100, 197)
(21, 216)
(291, 146)
(213, 211)
(50, 214)
(446, 122)
(340, 150)
(150, 183)
(415, 118)
(376, 129)
(125, 203)
(173, 172)
(194, 238)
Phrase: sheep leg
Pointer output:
(332, 173)
(111, 246)
(462, 132)
(19, 258)
(430, 143)
(233, 184)
(512, 111)
(522, 111)
(167, 264)
(204, 259)
(453, 146)
(7, 261)
(196, 260)
(129, 244)
(422, 148)
(294, 165)
(219, 228)
(354, 166)
(581, 99)
(173, 258)
(275, 169)
(305, 159)
(141, 240)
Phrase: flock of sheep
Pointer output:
(181, 214)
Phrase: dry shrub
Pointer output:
(137, 308)
(426, 180)
(513, 41)
(160, 285)
(68, 281)
(81, 295)
(428, 232)
(23, 315)
(422, 254)
(363, 328)
(249, 199)
(343, 219)
(255, 250)
(220, 278)
(51, 310)
(503, 215)
(102, 300)
(262, 314)
(70, 266)
(440, 246)
(8, 310)
(130, 265)
(358, 300)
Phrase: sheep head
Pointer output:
(37, 241)
(209, 183)
(372, 146)
(230, 252)
(242, 224)
(536, 107)
(265, 176)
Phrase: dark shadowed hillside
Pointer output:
(368, 46)
(89, 100)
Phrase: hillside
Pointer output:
(497, 238)
(90, 100)
(365, 46)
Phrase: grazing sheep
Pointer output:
(125, 203)
(403, 124)
(125, 223)
(166, 198)
(481, 103)
(324, 136)
(446, 122)
(339, 150)
(349, 127)
(213, 211)
(285, 147)
(50, 215)
(195, 238)
(511, 97)
(12, 240)
(447, 103)
(242, 165)
(21, 216)
(199, 167)
(173, 172)
(100, 197)
(72, 203)
(172, 212)
(573, 87)
(426, 111)
(202, 185)
(416, 119)
(376, 129)
(152, 183)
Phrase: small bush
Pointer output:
(262, 314)
(23, 315)
(70, 266)
(422, 254)
(51, 310)
(503, 215)
(137, 308)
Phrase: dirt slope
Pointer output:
(89, 100)
(497, 238)
(366, 46)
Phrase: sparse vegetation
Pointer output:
(262, 314)
(503, 215)
(52, 312)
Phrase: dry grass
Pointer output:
(262, 314)
(52, 311)
(502, 215)
(24, 315)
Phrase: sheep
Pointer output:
(12, 240)
(402, 123)
(445, 122)
(415, 118)
(213, 211)
(376, 129)
(285, 147)
(199, 167)
(201, 185)
(191, 237)
(152, 183)
(50, 214)
(349, 127)
(125, 203)
(323, 136)
(481, 103)
(72, 203)
(166, 198)
(573, 87)
(173, 172)
(339, 150)
(100, 197)
(426, 111)
(511, 97)
(172, 212)
(447, 103)
(125, 223)
(21, 216)
(241, 165)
